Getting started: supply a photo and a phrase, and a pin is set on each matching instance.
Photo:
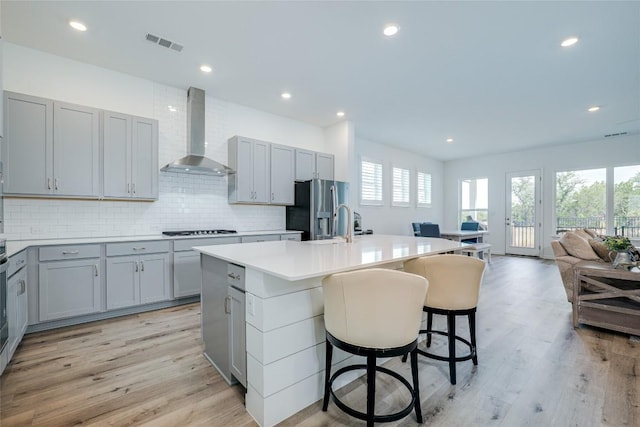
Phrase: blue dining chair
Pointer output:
(416, 227)
(429, 230)
(470, 226)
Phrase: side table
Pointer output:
(606, 297)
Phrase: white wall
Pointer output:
(185, 201)
(619, 151)
(389, 219)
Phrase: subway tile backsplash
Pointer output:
(185, 202)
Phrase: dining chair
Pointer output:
(470, 226)
(429, 230)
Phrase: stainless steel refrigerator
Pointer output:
(316, 202)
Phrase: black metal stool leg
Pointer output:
(371, 389)
(416, 387)
(451, 335)
(429, 327)
(327, 375)
(472, 331)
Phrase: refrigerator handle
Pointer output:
(334, 208)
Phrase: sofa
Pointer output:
(574, 247)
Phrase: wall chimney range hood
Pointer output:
(195, 162)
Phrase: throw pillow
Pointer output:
(584, 234)
(578, 247)
(600, 249)
(591, 233)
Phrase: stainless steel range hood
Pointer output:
(195, 162)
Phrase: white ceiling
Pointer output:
(491, 75)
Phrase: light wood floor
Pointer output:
(148, 369)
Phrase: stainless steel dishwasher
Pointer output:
(223, 318)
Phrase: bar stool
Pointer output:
(454, 288)
(373, 313)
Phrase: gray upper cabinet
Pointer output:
(76, 146)
(130, 156)
(51, 149)
(250, 159)
(282, 174)
(310, 165)
(54, 149)
(28, 139)
(324, 166)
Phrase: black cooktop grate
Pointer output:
(198, 232)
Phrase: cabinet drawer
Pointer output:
(137, 248)
(187, 244)
(235, 276)
(16, 262)
(295, 236)
(262, 238)
(51, 253)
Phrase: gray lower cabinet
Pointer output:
(137, 273)
(16, 310)
(237, 335)
(291, 236)
(187, 274)
(137, 279)
(68, 288)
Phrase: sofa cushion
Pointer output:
(578, 247)
(584, 234)
(600, 249)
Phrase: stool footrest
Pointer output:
(472, 351)
(363, 416)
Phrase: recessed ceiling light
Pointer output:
(340, 114)
(172, 108)
(569, 42)
(206, 69)
(77, 25)
(593, 109)
(390, 30)
(449, 140)
(285, 95)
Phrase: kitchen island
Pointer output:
(285, 332)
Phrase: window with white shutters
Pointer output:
(424, 189)
(400, 186)
(370, 182)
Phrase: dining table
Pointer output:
(459, 235)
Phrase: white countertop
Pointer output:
(15, 246)
(292, 260)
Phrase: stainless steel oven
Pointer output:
(4, 264)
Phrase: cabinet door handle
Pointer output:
(23, 287)
(227, 305)
(95, 269)
(133, 187)
(70, 252)
(141, 265)
(128, 188)
(273, 197)
(140, 248)
(55, 183)
(137, 267)
(48, 183)
(232, 276)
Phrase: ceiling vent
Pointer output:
(611, 135)
(164, 42)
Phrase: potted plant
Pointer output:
(619, 246)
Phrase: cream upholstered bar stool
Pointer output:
(454, 289)
(373, 313)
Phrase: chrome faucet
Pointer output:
(349, 236)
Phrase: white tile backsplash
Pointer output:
(185, 202)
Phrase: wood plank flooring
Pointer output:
(148, 370)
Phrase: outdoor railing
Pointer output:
(623, 225)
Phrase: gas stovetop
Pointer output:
(198, 232)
